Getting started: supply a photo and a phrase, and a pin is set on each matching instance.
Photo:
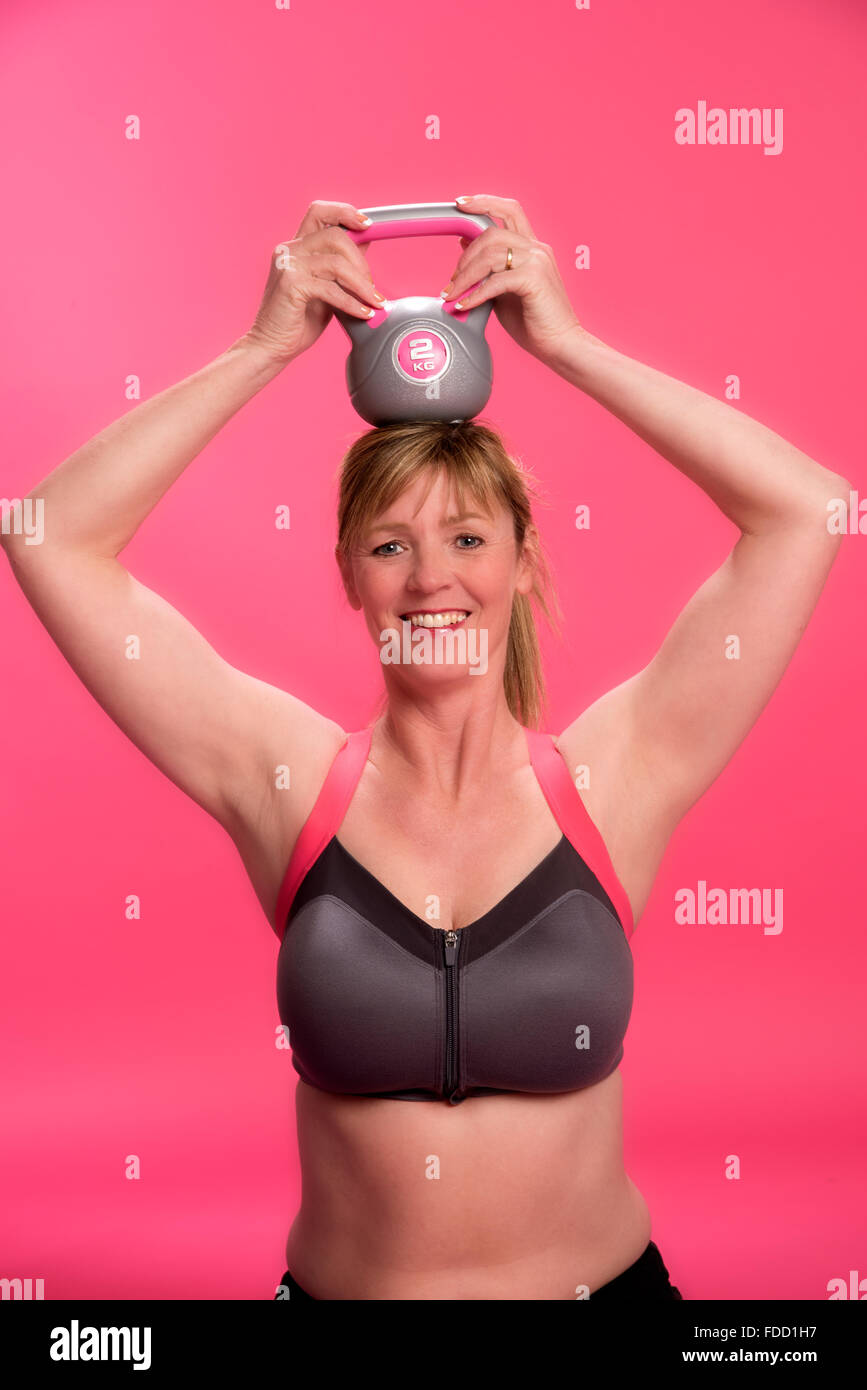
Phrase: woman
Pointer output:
(464, 939)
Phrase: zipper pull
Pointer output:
(451, 947)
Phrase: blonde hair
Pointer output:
(381, 463)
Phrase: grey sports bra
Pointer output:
(534, 996)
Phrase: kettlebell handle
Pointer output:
(416, 219)
(420, 219)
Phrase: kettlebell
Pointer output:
(418, 358)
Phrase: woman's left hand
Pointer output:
(529, 299)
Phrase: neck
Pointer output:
(452, 742)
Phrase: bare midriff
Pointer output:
(500, 1197)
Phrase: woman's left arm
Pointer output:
(689, 709)
(676, 723)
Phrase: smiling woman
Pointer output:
(412, 489)
(440, 986)
(454, 914)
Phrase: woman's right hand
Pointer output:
(319, 270)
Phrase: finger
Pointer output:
(325, 214)
(331, 292)
(501, 282)
(336, 269)
(486, 254)
(338, 243)
(509, 209)
(364, 248)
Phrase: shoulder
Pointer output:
(597, 748)
(628, 802)
(295, 747)
(625, 774)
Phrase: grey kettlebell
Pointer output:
(418, 358)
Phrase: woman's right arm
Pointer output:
(208, 726)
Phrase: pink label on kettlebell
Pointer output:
(422, 354)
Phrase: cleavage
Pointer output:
(418, 876)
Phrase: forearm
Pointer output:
(756, 478)
(98, 497)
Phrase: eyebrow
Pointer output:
(448, 521)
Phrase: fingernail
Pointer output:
(380, 297)
(464, 199)
(459, 304)
(365, 219)
(445, 293)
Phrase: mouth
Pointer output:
(451, 618)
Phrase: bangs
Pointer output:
(470, 481)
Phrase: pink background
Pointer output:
(157, 1038)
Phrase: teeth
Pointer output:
(436, 619)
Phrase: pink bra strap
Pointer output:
(325, 818)
(574, 820)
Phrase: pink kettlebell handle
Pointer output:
(457, 225)
(420, 226)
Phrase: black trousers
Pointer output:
(646, 1278)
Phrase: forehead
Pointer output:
(440, 497)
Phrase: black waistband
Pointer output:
(646, 1277)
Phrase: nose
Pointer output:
(430, 569)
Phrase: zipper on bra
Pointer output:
(451, 949)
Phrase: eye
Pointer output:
(477, 542)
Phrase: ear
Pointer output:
(346, 575)
(528, 560)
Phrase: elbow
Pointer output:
(841, 506)
(826, 506)
(830, 486)
(838, 485)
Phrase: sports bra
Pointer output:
(534, 996)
